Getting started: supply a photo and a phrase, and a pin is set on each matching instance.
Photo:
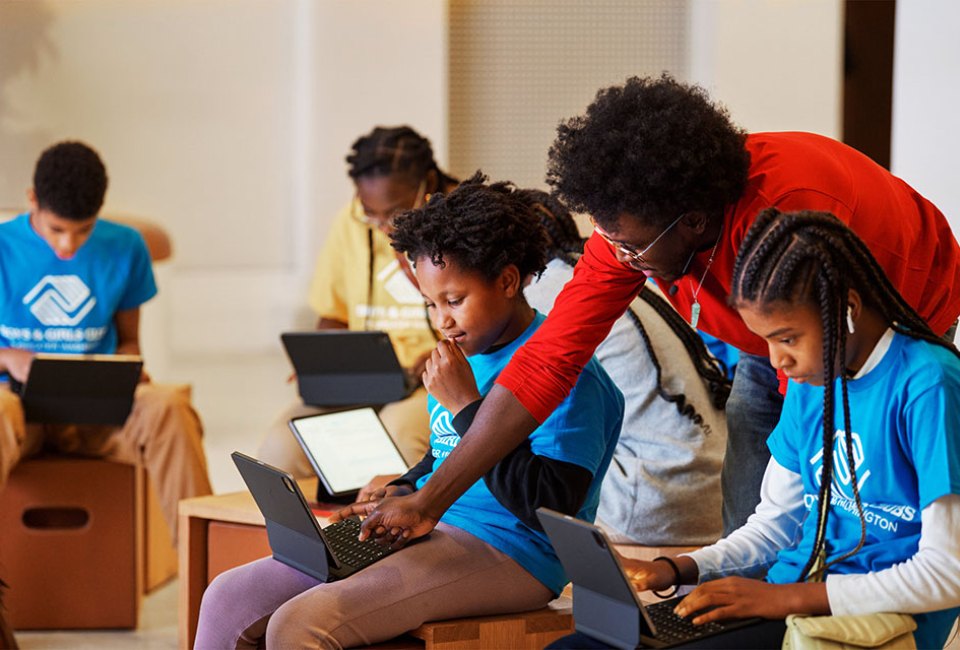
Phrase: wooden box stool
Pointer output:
(73, 542)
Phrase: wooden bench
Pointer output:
(527, 630)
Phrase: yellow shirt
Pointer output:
(341, 289)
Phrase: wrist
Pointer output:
(671, 580)
(430, 499)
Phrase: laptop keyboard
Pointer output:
(342, 539)
(674, 629)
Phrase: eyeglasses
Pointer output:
(629, 250)
(358, 213)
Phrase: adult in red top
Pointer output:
(673, 187)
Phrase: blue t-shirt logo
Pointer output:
(60, 300)
(841, 473)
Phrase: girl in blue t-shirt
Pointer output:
(472, 251)
(860, 509)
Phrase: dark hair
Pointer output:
(813, 258)
(652, 148)
(70, 181)
(399, 150)
(480, 227)
(566, 244)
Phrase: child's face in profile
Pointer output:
(467, 308)
(794, 336)
(65, 236)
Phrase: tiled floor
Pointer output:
(237, 398)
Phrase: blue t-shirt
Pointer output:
(69, 306)
(905, 415)
(583, 430)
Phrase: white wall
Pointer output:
(926, 102)
(775, 64)
(224, 120)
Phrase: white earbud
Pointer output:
(850, 320)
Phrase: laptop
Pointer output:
(346, 449)
(295, 537)
(341, 368)
(606, 606)
(79, 389)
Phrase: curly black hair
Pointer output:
(653, 148)
(70, 181)
(481, 227)
(386, 151)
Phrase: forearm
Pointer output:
(129, 347)
(750, 550)
(499, 426)
(928, 581)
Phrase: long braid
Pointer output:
(810, 256)
(566, 244)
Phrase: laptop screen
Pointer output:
(347, 448)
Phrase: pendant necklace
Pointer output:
(695, 307)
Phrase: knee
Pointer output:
(296, 624)
(167, 404)
(285, 629)
(161, 397)
(218, 603)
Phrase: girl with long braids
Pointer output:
(360, 283)
(860, 505)
(670, 451)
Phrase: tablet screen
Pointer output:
(348, 448)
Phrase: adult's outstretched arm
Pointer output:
(500, 425)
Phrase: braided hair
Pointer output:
(566, 244)
(386, 151)
(814, 258)
(481, 227)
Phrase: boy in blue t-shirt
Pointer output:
(71, 283)
(472, 250)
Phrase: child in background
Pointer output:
(472, 250)
(361, 284)
(860, 505)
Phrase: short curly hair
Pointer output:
(653, 148)
(480, 227)
(70, 181)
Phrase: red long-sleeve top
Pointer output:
(908, 235)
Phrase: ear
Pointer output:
(509, 281)
(855, 304)
(433, 182)
(32, 200)
(696, 221)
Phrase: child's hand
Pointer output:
(658, 576)
(449, 378)
(359, 509)
(745, 598)
(366, 503)
(17, 362)
(374, 490)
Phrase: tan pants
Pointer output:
(407, 422)
(163, 433)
